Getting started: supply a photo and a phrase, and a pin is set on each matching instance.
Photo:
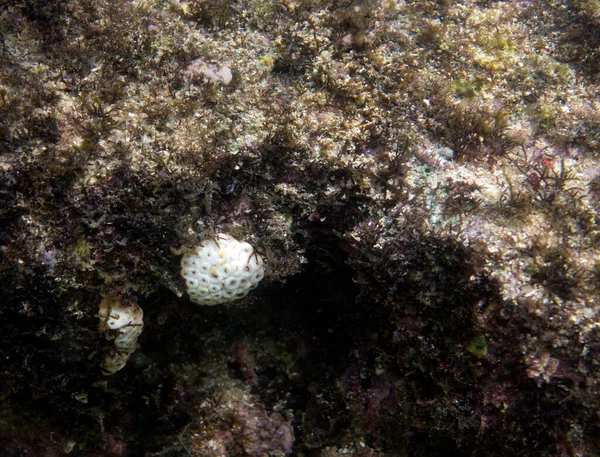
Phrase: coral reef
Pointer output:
(420, 177)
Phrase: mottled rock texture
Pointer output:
(421, 178)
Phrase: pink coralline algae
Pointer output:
(241, 429)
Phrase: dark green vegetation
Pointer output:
(420, 176)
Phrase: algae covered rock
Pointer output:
(416, 180)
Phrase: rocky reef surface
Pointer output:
(421, 177)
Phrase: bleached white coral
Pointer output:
(124, 324)
(221, 270)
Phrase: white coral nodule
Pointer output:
(221, 270)
(124, 324)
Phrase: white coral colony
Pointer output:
(221, 270)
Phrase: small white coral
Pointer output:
(221, 270)
(124, 323)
